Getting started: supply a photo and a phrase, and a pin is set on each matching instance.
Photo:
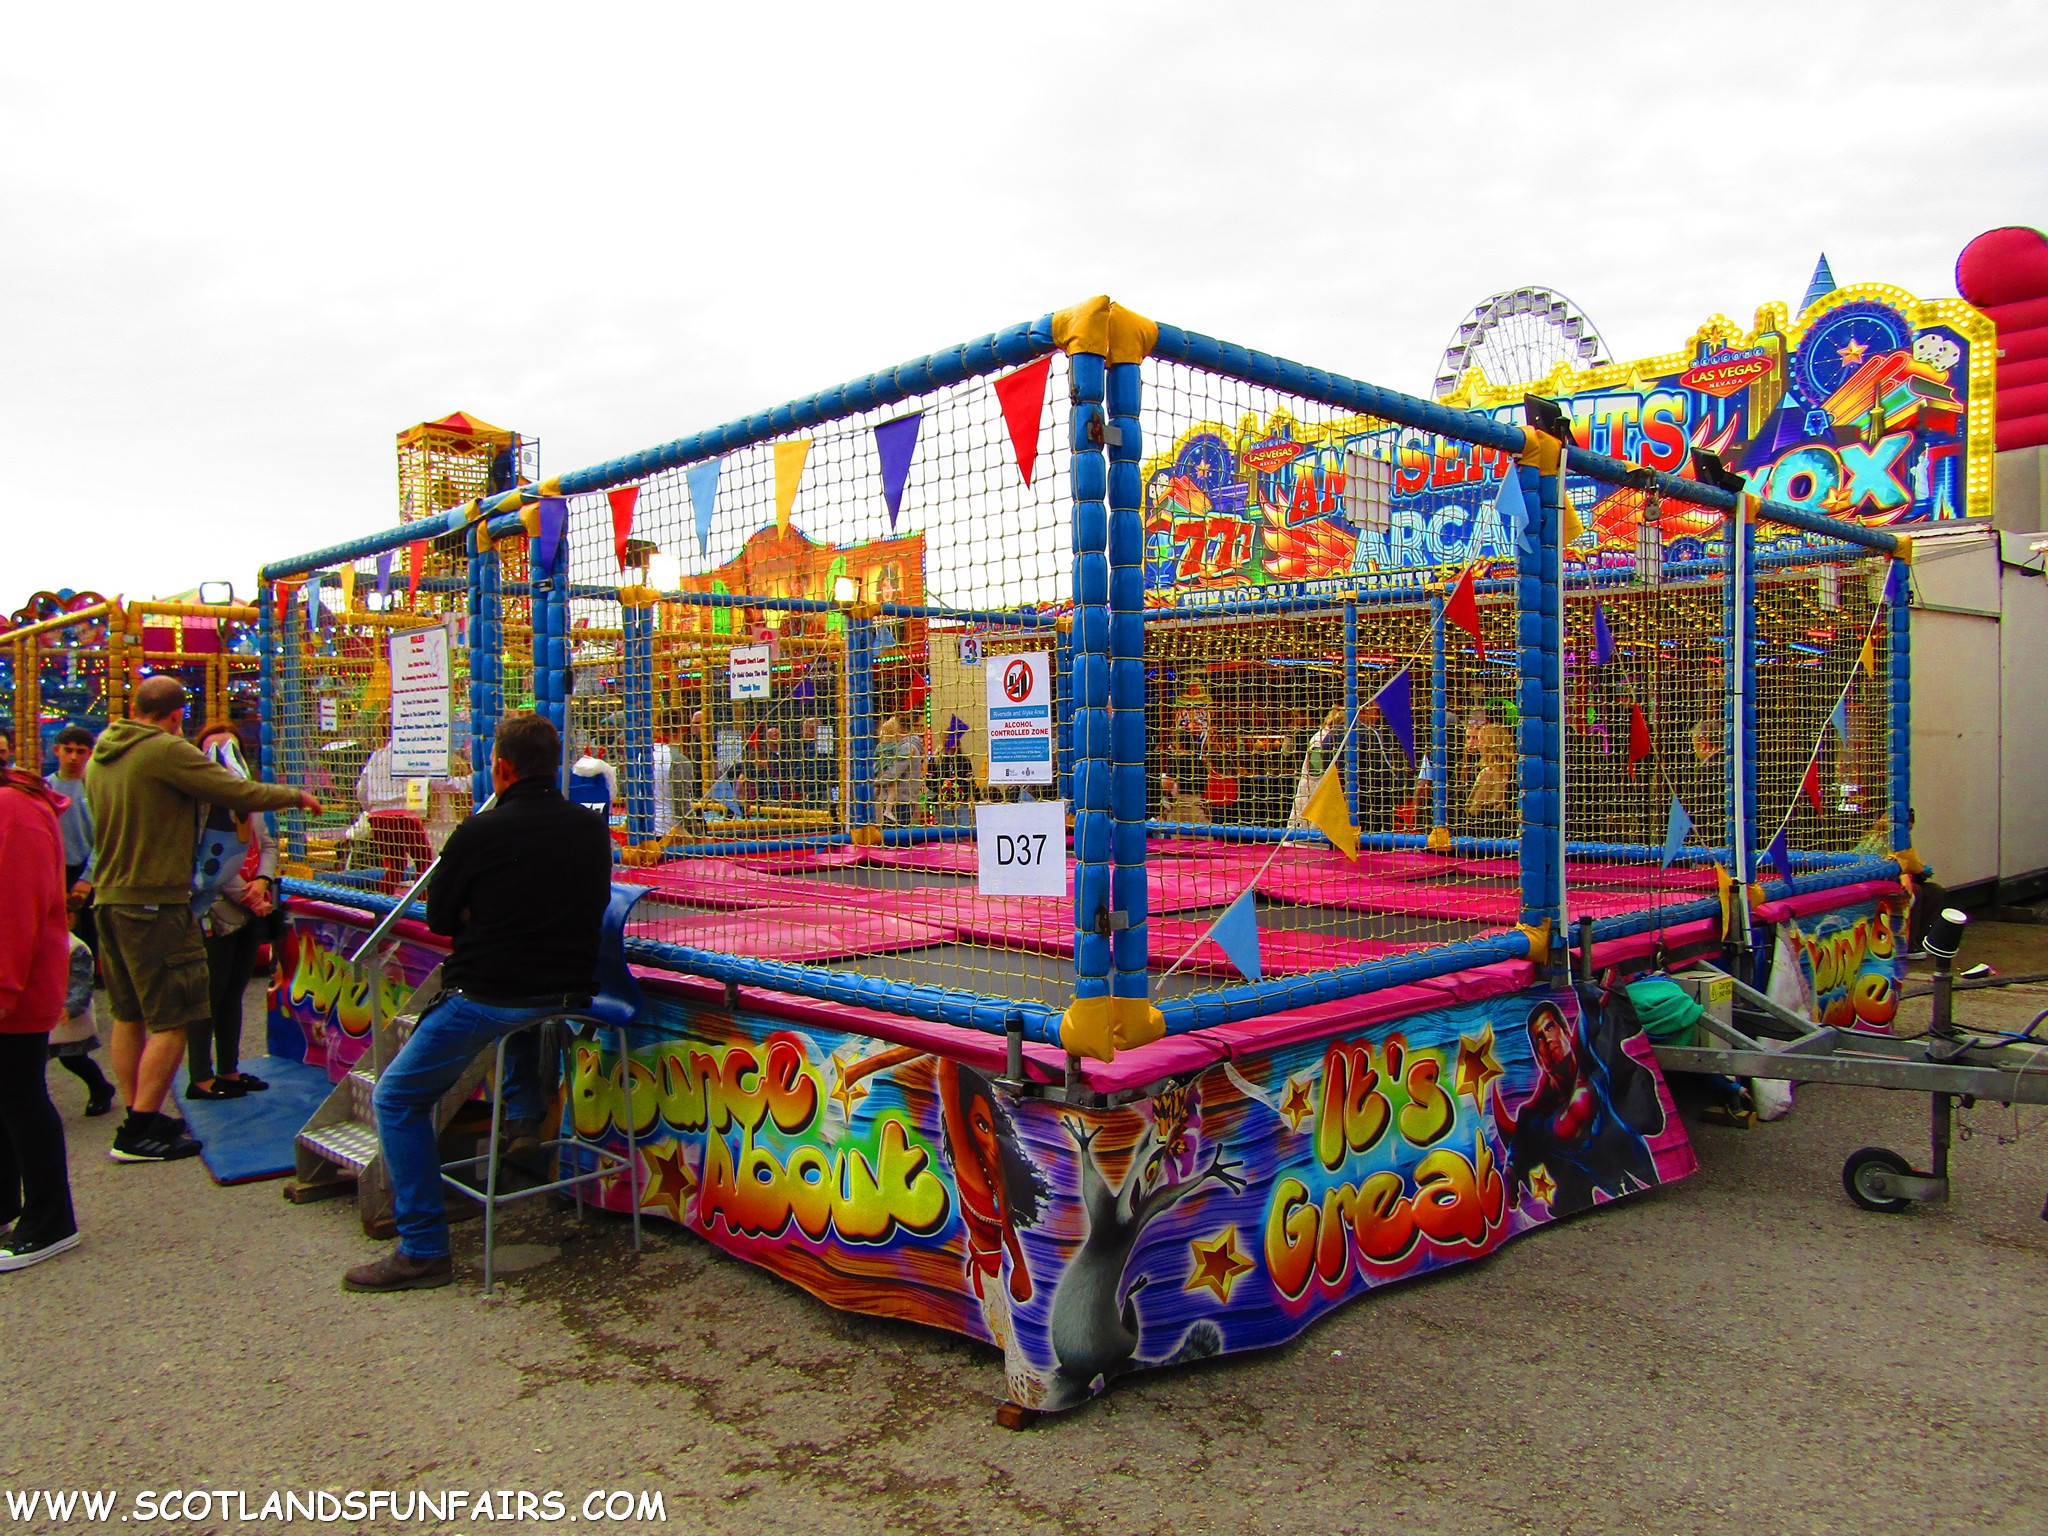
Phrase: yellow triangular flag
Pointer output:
(1724, 887)
(1867, 659)
(1328, 812)
(789, 470)
(348, 588)
(1572, 529)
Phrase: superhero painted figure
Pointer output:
(1582, 1131)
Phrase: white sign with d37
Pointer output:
(1023, 848)
(747, 667)
(1019, 718)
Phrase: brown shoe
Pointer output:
(396, 1272)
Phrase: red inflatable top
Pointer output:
(2004, 272)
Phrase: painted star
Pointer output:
(1297, 1106)
(1218, 1263)
(1542, 1185)
(846, 1092)
(1477, 1067)
(1851, 353)
(669, 1181)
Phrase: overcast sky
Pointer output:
(239, 249)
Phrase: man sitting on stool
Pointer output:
(522, 890)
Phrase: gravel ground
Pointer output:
(1744, 1351)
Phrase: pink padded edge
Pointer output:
(1825, 901)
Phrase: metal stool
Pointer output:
(615, 1005)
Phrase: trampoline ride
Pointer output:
(1334, 721)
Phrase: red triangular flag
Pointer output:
(623, 500)
(1022, 396)
(1462, 609)
(286, 591)
(1810, 785)
(1638, 737)
(415, 564)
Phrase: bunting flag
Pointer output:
(1573, 529)
(1396, 701)
(1810, 785)
(384, 574)
(805, 688)
(1781, 857)
(1895, 584)
(1462, 608)
(1236, 933)
(624, 499)
(1022, 397)
(703, 480)
(415, 566)
(1724, 888)
(1638, 737)
(1328, 813)
(286, 591)
(895, 443)
(312, 600)
(1840, 720)
(348, 587)
(1677, 828)
(1867, 658)
(956, 729)
(790, 454)
(1603, 637)
(554, 514)
(1513, 509)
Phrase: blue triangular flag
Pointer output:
(1513, 508)
(1603, 637)
(1676, 830)
(896, 441)
(312, 599)
(384, 574)
(554, 514)
(1781, 860)
(1840, 719)
(1396, 701)
(703, 496)
(1237, 934)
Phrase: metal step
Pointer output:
(347, 1145)
(362, 1083)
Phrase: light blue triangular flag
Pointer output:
(1513, 508)
(703, 497)
(1840, 719)
(312, 599)
(1237, 934)
(1676, 831)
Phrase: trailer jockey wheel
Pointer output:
(1866, 1177)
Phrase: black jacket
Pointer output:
(522, 890)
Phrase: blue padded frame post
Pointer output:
(1063, 648)
(1899, 684)
(486, 683)
(1093, 897)
(1130, 944)
(637, 683)
(860, 723)
(1351, 709)
(1537, 626)
(1439, 719)
(547, 683)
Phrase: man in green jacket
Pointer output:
(146, 787)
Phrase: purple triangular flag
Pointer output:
(1396, 701)
(1603, 637)
(1781, 860)
(384, 574)
(1237, 934)
(554, 514)
(896, 441)
(955, 729)
(1895, 583)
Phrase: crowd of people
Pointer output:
(105, 889)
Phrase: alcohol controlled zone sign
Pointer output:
(1019, 718)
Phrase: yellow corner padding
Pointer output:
(1750, 503)
(530, 521)
(552, 486)
(866, 837)
(1101, 327)
(1539, 940)
(1137, 1022)
(1903, 553)
(1439, 840)
(639, 597)
(1097, 1027)
(1910, 862)
(1541, 450)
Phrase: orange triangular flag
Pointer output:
(348, 587)
(1462, 609)
(1867, 658)
(1328, 813)
(1638, 737)
(1022, 397)
(790, 454)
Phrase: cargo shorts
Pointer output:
(154, 960)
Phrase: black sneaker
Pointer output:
(19, 1253)
(152, 1140)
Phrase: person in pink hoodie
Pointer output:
(36, 1220)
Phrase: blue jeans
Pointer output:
(447, 1039)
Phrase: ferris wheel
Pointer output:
(1517, 337)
